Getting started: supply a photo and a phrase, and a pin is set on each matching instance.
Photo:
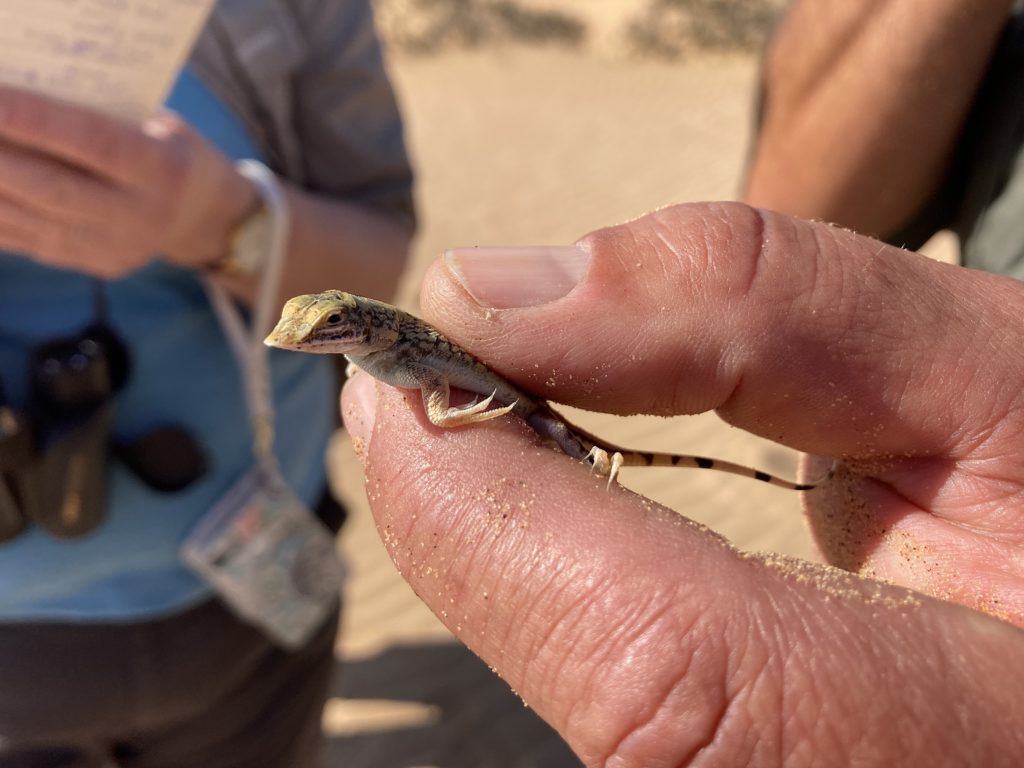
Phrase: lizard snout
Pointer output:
(288, 334)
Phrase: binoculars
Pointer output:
(54, 454)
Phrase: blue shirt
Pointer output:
(183, 373)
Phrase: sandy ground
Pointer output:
(516, 145)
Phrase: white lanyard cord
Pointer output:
(248, 347)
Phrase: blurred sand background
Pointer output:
(532, 123)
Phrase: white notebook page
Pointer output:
(116, 56)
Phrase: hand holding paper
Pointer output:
(90, 179)
(80, 190)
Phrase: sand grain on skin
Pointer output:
(837, 583)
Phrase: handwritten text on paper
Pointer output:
(117, 56)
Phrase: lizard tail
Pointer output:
(645, 459)
(581, 445)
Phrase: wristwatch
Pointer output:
(249, 244)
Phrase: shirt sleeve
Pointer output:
(346, 115)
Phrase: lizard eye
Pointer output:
(334, 318)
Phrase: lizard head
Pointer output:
(332, 322)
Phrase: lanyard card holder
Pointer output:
(268, 557)
(260, 548)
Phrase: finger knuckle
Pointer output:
(694, 692)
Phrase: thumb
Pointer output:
(806, 334)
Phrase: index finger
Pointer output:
(648, 641)
(803, 333)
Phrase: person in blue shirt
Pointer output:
(111, 649)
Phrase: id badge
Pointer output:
(268, 557)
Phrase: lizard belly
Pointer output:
(385, 368)
(393, 370)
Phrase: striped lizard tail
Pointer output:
(606, 459)
(645, 459)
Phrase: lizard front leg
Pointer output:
(436, 393)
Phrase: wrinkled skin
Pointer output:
(648, 641)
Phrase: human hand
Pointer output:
(647, 640)
(80, 190)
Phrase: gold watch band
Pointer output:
(247, 244)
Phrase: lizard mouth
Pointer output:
(288, 334)
(303, 337)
